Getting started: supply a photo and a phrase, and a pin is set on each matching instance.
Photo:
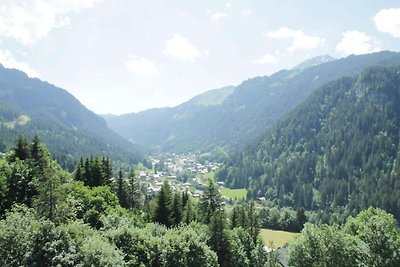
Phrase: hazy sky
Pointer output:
(120, 56)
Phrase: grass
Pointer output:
(275, 239)
(234, 193)
(21, 120)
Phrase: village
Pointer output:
(183, 172)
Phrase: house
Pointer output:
(261, 200)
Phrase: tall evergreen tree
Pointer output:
(162, 213)
(121, 192)
(176, 209)
(210, 202)
(134, 190)
(219, 241)
(254, 222)
(22, 148)
(235, 217)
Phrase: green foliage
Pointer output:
(370, 239)
(242, 114)
(380, 232)
(134, 192)
(96, 251)
(68, 128)
(5, 172)
(16, 236)
(162, 213)
(328, 246)
(339, 149)
(210, 202)
(52, 246)
(77, 201)
(94, 171)
(286, 219)
(219, 241)
(154, 245)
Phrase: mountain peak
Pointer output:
(314, 62)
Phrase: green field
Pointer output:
(234, 193)
(21, 120)
(276, 238)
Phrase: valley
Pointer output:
(258, 174)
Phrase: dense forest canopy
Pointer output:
(50, 217)
(30, 106)
(340, 148)
(232, 117)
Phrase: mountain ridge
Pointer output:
(247, 112)
(338, 150)
(69, 128)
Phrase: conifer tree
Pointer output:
(176, 209)
(22, 148)
(121, 193)
(235, 217)
(162, 213)
(134, 190)
(210, 202)
(219, 241)
(254, 222)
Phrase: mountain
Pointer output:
(29, 106)
(315, 61)
(339, 148)
(233, 116)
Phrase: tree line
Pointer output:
(337, 152)
(98, 216)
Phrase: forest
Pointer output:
(338, 152)
(92, 217)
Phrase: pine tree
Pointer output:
(235, 217)
(301, 218)
(162, 213)
(79, 174)
(87, 173)
(97, 172)
(254, 222)
(185, 198)
(22, 148)
(176, 209)
(219, 241)
(242, 216)
(134, 191)
(121, 193)
(107, 171)
(188, 214)
(210, 202)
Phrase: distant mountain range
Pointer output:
(30, 106)
(338, 150)
(231, 117)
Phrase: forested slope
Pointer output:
(30, 106)
(340, 148)
(232, 117)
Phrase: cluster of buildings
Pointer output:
(183, 172)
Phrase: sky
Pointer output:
(122, 56)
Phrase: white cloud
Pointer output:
(216, 16)
(266, 59)
(181, 49)
(388, 21)
(245, 12)
(299, 39)
(27, 21)
(141, 66)
(8, 61)
(356, 42)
